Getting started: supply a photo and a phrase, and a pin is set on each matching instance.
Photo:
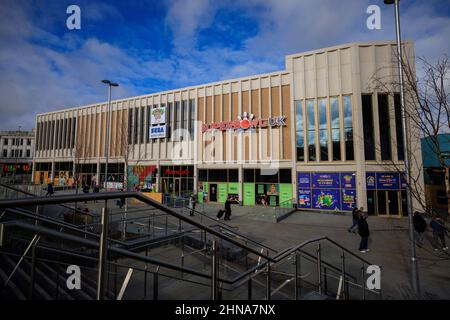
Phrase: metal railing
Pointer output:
(270, 265)
(284, 210)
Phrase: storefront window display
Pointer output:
(216, 185)
(177, 180)
(141, 178)
(268, 187)
(326, 190)
(386, 193)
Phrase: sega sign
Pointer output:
(157, 132)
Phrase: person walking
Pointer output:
(355, 217)
(363, 230)
(227, 209)
(192, 205)
(439, 232)
(420, 226)
(50, 190)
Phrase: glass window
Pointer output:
(266, 175)
(285, 176)
(217, 175)
(299, 138)
(5, 141)
(399, 127)
(385, 132)
(311, 130)
(28, 153)
(5, 153)
(335, 128)
(169, 120)
(135, 123)
(130, 122)
(141, 124)
(369, 143)
(191, 118)
(249, 175)
(233, 175)
(323, 130)
(149, 123)
(348, 128)
(177, 120)
(202, 175)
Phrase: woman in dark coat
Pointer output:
(363, 230)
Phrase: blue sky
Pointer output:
(149, 46)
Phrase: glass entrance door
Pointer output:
(213, 192)
(393, 202)
(381, 203)
(177, 186)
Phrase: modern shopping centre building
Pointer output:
(317, 135)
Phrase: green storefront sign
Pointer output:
(202, 192)
(222, 192)
(249, 194)
(273, 201)
(260, 189)
(285, 195)
(233, 188)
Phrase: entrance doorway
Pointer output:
(177, 186)
(388, 202)
(213, 192)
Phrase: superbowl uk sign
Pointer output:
(244, 123)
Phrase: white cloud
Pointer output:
(67, 70)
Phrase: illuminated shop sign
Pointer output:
(245, 122)
(169, 172)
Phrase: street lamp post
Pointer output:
(414, 268)
(108, 115)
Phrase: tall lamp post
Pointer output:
(103, 248)
(108, 115)
(414, 268)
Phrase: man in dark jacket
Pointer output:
(420, 226)
(227, 209)
(355, 217)
(439, 232)
(363, 230)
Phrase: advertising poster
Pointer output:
(222, 192)
(140, 176)
(304, 180)
(158, 116)
(348, 180)
(260, 189)
(249, 194)
(285, 195)
(233, 192)
(371, 180)
(387, 180)
(273, 201)
(348, 199)
(158, 132)
(274, 189)
(325, 180)
(326, 199)
(304, 198)
(233, 188)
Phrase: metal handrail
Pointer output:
(127, 194)
(112, 195)
(225, 226)
(33, 195)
